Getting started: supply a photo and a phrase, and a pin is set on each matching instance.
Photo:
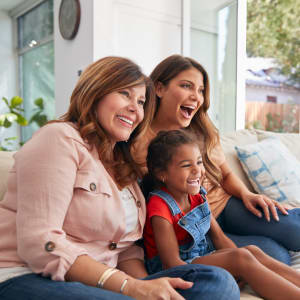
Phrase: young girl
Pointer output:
(180, 228)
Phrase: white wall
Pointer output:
(260, 94)
(71, 56)
(145, 31)
(8, 69)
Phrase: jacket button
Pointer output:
(49, 246)
(93, 187)
(183, 222)
(112, 246)
(138, 203)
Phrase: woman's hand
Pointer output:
(156, 289)
(252, 201)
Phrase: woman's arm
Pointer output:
(46, 168)
(88, 271)
(166, 242)
(234, 186)
(219, 239)
(133, 267)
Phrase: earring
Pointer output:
(163, 179)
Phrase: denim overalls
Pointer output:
(196, 222)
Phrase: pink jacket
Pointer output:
(62, 203)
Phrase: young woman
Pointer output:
(180, 229)
(73, 208)
(182, 101)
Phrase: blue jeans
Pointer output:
(274, 238)
(209, 283)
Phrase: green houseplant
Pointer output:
(15, 116)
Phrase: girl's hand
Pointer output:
(252, 201)
(156, 289)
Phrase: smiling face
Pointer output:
(180, 99)
(120, 112)
(185, 172)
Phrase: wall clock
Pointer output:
(69, 18)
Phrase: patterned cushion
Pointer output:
(272, 170)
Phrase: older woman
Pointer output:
(182, 101)
(73, 209)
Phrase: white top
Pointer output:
(8, 273)
(131, 211)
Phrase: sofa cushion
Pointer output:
(290, 140)
(272, 169)
(6, 162)
(238, 138)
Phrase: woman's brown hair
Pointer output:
(201, 124)
(105, 76)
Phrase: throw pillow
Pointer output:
(272, 170)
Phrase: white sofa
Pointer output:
(244, 137)
(292, 141)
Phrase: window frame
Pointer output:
(15, 13)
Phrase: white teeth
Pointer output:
(125, 120)
(193, 182)
(191, 107)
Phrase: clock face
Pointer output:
(69, 18)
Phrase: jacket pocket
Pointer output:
(91, 182)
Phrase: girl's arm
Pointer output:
(218, 237)
(166, 242)
(234, 186)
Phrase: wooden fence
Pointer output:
(273, 116)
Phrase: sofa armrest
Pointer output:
(6, 162)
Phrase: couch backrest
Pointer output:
(238, 138)
(6, 162)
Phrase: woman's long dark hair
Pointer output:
(201, 124)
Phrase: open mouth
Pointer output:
(187, 110)
(129, 122)
(195, 182)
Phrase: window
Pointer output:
(215, 27)
(36, 61)
(272, 99)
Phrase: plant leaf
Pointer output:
(16, 101)
(6, 123)
(5, 101)
(13, 138)
(2, 119)
(21, 120)
(11, 117)
(39, 102)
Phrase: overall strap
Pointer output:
(203, 192)
(174, 208)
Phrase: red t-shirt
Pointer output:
(158, 207)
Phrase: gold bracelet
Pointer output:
(105, 275)
(123, 285)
